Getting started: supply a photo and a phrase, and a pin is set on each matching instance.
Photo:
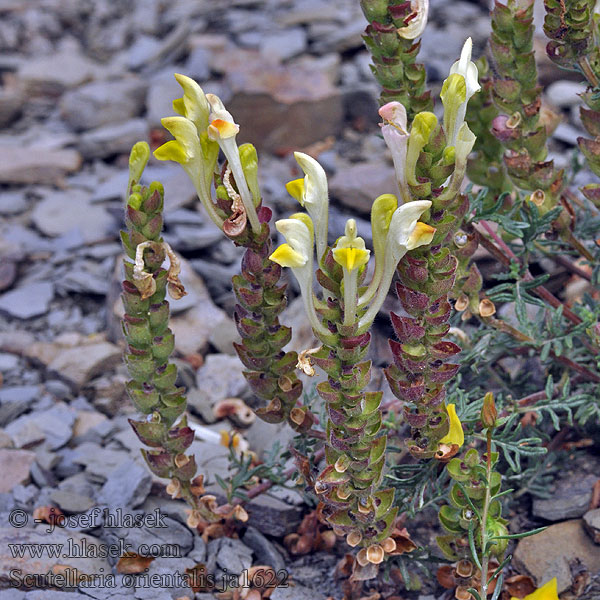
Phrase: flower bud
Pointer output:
(489, 414)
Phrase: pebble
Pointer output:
(85, 565)
(591, 521)
(230, 554)
(103, 103)
(264, 551)
(12, 203)
(59, 213)
(570, 498)
(357, 185)
(14, 466)
(221, 376)
(283, 45)
(111, 139)
(31, 300)
(76, 359)
(16, 400)
(127, 485)
(548, 554)
(70, 502)
(52, 74)
(564, 93)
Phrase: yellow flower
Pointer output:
(456, 435)
(547, 592)
(312, 193)
(350, 251)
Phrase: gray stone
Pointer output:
(223, 338)
(176, 538)
(14, 466)
(112, 139)
(61, 212)
(272, 516)
(12, 203)
(283, 45)
(11, 105)
(98, 461)
(567, 133)
(55, 595)
(194, 237)
(565, 93)
(24, 433)
(55, 423)
(162, 91)
(569, 500)
(127, 485)
(221, 376)
(40, 566)
(87, 277)
(70, 502)
(52, 74)
(231, 554)
(591, 522)
(197, 64)
(16, 400)
(296, 592)
(103, 103)
(31, 300)
(198, 552)
(264, 551)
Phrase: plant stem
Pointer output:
(485, 554)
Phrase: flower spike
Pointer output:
(312, 193)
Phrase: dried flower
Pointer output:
(547, 592)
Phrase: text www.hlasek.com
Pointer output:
(81, 549)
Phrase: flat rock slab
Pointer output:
(37, 165)
(43, 564)
(357, 185)
(570, 499)
(75, 358)
(548, 554)
(14, 466)
(30, 300)
(62, 212)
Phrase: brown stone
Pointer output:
(549, 553)
(357, 186)
(281, 106)
(75, 358)
(14, 466)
